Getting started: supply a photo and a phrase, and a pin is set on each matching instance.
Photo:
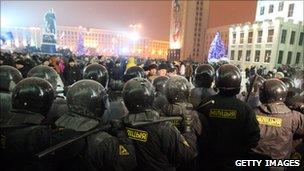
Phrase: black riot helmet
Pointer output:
(290, 86)
(44, 72)
(273, 90)
(203, 76)
(177, 89)
(87, 97)
(257, 82)
(98, 73)
(132, 72)
(33, 95)
(138, 95)
(228, 79)
(159, 83)
(9, 77)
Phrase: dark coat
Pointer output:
(278, 124)
(230, 130)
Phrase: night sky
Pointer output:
(154, 16)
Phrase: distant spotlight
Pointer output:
(4, 21)
(134, 36)
(125, 50)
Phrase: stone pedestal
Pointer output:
(48, 43)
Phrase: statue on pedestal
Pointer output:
(49, 34)
(50, 22)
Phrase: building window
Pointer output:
(270, 9)
(301, 39)
(293, 33)
(289, 55)
(240, 55)
(267, 56)
(281, 5)
(250, 34)
(260, 34)
(283, 36)
(257, 56)
(232, 55)
(241, 38)
(290, 10)
(280, 59)
(262, 10)
(248, 53)
(270, 35)
(298, 58)
(233, 38)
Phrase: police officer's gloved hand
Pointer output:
(187, 122)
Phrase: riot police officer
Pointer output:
(132, 72)
(293, 100)
(160, 99)
(86, 100)
(23, 135)
(253, 93)
(280, 122)
(117, 108)
(158, 145)
(45, 72)
(9, 77)
(203, 79)
(98, 73)
(59, 105)
(177, 91)
(230, 127)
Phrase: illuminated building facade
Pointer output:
(275, 38)
(22, 37)
(187, 30)
(269, 43)
(101, 41)
(107, 42)
(270, 10)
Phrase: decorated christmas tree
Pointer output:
(80, 50)
(217, 50)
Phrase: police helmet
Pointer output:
(289, 83)
(34, 95)
(203, 76)
(96, 72)
(133, 72)
(87, 97)
(177, 89)
(9, 77)
(44, 72)
(273, 90)
(159, 83)
(138, 95)
(258, 80)
(228, 79)
(291, 88)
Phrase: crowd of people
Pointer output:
(126, 113)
